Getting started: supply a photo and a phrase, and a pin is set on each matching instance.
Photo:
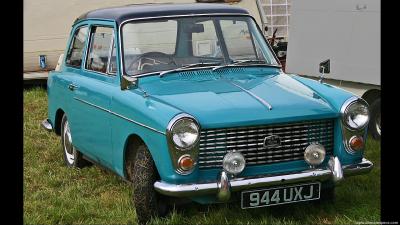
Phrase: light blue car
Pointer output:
(188, 102)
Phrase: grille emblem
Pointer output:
(272, 141)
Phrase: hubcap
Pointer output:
(68, 148)
(378, 123)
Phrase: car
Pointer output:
(188, 102)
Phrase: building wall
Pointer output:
(47, 24)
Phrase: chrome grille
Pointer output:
(295, 137)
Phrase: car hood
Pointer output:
(238, 97)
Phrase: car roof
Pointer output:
(136, 11)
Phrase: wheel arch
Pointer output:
(371, 95)
(57, 121)
(128, 154)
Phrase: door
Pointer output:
(93, 89)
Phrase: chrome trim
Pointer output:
(224, 187)
(349, 102)
(265, 103)
(182, 171)
(249, 140)
(46, 124)
(365, 166)
(336, 167)
(161, 17)
(239, 184)
(87, 51)
(118, 115)
(355, 136)
(110, 51)
(175, 151)
(348, 132)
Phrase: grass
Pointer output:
(54, 193)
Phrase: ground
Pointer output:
(54, 193)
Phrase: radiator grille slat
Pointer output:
(295, 137)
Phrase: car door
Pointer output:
(59, 94)
(92, 95)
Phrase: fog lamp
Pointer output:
(356, 143)
(185, 163)
(234, 162)
(314, 154)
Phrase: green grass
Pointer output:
(54, 193)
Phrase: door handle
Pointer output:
(72, 87)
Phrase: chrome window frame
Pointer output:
(121, 53)
(109, 51)
(71, 42)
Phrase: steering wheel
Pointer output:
(154, 56)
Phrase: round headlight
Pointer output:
(184, 132)
(314, 154)
(356, 115)
(233, 162)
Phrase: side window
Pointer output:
(101, 41)
(75, 51)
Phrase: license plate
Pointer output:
(280, 195)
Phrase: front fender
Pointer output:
(147, 118)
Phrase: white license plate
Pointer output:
(280, 195)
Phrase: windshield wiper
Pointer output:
(245, 61)
(188, 66)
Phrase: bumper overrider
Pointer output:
(224, 186)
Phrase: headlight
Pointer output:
(356, 115)
(184, 132)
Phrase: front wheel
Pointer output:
(148, 203)
(72, 157)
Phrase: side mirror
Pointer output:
(325, 66)
(127, 82)
(266, 28)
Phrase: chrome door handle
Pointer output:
(72, 87)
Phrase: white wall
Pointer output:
(47, 24)
(341, 30)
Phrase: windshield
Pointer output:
(167, 44)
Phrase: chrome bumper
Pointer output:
(223, 187)
(47, 125)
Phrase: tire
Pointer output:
(72, 157)
(375, 122)
(143, 173)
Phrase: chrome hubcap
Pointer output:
(378, 123)
(68, 148)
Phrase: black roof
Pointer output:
(121, 13)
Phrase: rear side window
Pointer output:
(75, 51)
(101, 45)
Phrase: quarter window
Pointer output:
(101, 44)
(75, 51)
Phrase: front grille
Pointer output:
(295, 137)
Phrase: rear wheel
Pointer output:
(143, 173)
(375, 123)
(72, 157)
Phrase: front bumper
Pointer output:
(224, 186)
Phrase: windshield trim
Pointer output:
(121, 54)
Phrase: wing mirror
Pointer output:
(324, 67)
(127, 82)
